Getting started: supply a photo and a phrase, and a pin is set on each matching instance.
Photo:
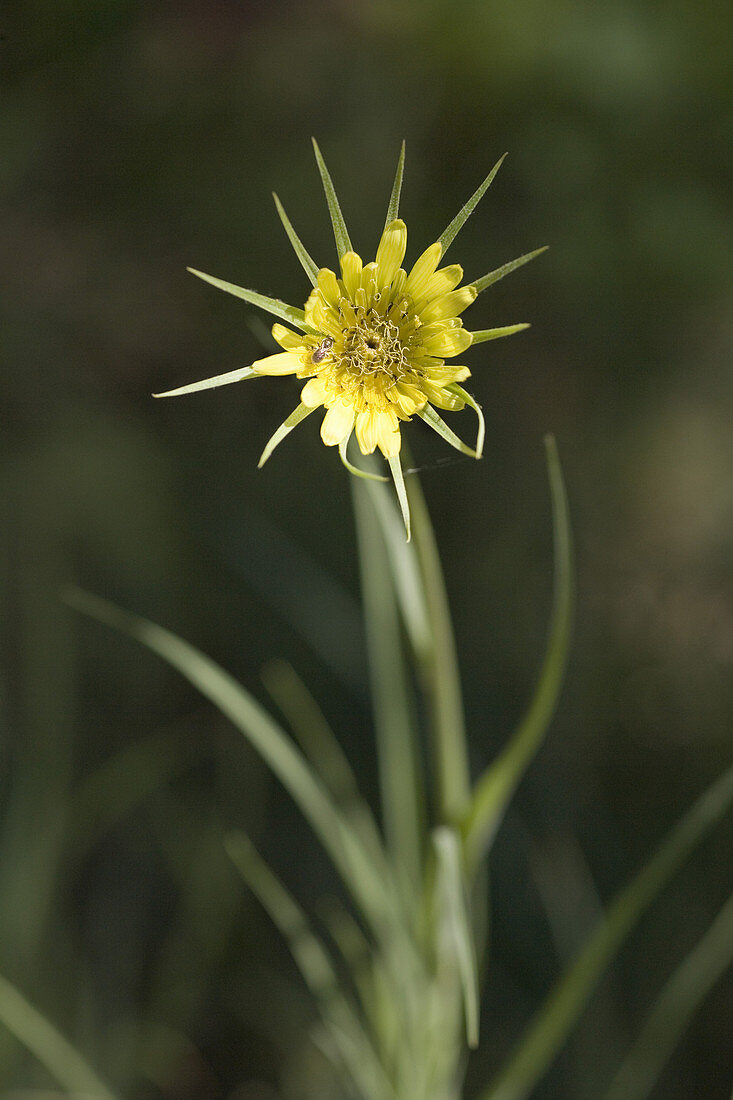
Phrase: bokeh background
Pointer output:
(139, 137)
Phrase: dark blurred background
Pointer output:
(137, 138)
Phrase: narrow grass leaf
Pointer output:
(399, 483)
(485, 334)
(436, 422)
(394, 713)
(496, 786)
(48, 1045)
(316, 967)
(322, 749)
(284, 430)
(370, 883)
(681, 997)
(340, 232)
(239, 375)
(452, 892)
(499, 273)
(366, 474)
(306, 261)
(440, 673)
(548, 1032)
(472, 404)
(393, 208)
(449, 235)
(274, 306)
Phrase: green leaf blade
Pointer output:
(296, 417)
(485, 334)
(494, 789)
(436, 422)
(453, 906)
(242, 374)
(393, 209)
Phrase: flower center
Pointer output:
(372, 346)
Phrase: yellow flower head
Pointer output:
(372, 342)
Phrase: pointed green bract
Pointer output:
(449, 235)
(472, 404)
(553, 1022)
(285, 429)
(452, 904)
(393, 208)
(274, 306)
(239, 375)
(306, 261)
(399, 483)
(430, 416)
(506, 269)
(48, 1045)
(366, 474)
(340, 232)
(497, 785)
(485, 334)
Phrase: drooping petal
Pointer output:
(366, 430)
(391, 252)
(389, 439)
(283, 362)
(337, 423)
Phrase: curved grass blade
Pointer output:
(240, 375)
(399, 483)
(436, 422)
(497, 784)
(499, 273)
(314, 963)
(485, 334)
(472, 404)
(366, 474)
(306, 261)
(370, 882)
(452, 905)
(48, 1045)
(400, 779)
(393, 208)
(682, 995)
(563, 1006)
(319, 743)
(274, 306)
(290, 422)
(451, 232)
(340, 232)
(440, 673)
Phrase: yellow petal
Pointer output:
(351, 272)
(329, 287)
(366, 431)
(451, 341)
(337, 423)
(448, 305)
(315, 392)
(286, 338)
(388, 434)
(424, 267)
(391, 251)
(283, 362)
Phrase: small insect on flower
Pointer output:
(322, 350)
(389, 332)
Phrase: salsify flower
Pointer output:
(375, 342)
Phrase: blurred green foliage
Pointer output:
(139, 137)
